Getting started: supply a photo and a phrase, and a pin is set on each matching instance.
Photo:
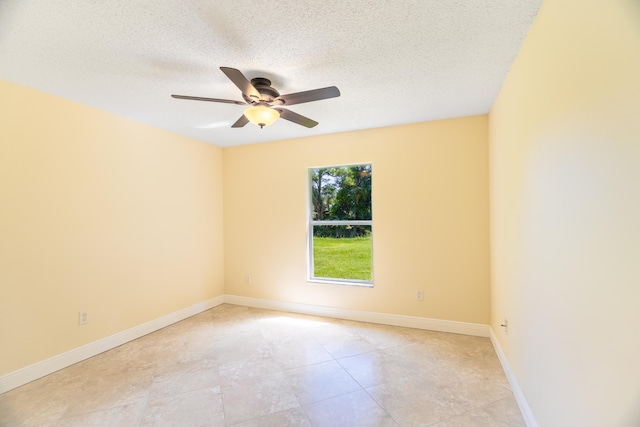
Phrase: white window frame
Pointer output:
(311, 223)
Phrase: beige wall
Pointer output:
(125, 221)
(565, 211)
(102, 214)
(430, 219)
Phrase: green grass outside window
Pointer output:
(342, 258)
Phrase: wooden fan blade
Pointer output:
(309, 95)
(296, 118)
(241, 81)
(199, 98)
(240, 122)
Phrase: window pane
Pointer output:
(341, 193)
(342, 252)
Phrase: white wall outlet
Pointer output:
(505, 325)
(83, 318)
(419, 295)
(247, 279)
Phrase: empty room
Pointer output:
(320, 213)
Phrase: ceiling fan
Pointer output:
(264, 101)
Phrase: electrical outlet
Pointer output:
(83, 318)
(419, 295)
(247, 279)
(505, 325)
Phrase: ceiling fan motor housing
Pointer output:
(267, 93)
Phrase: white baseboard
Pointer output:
(529, 419)
(45, 367)
(464, 328)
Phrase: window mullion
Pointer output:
(341, 222)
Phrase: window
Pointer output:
(340, 226)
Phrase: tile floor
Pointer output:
(239, 366)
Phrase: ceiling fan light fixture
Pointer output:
(261, 116)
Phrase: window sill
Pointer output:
(359, 283)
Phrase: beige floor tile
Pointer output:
(231, 313)
(374, 368)
(147, 352)
(245, 400)
(320, 381)
(382, 336)
(353, 409)
(29, 414)
(183, 377)
(479, 392)
(291, 418)
(345, 346)
(415, 402)
(231, 348)
(502, 413)
(198, 408)
(248, 366)
(120, 416)
(288, 328)
(295, 354)
(109, 391)
(40, 402)
(425, 357)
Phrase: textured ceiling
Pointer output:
(395, 62)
